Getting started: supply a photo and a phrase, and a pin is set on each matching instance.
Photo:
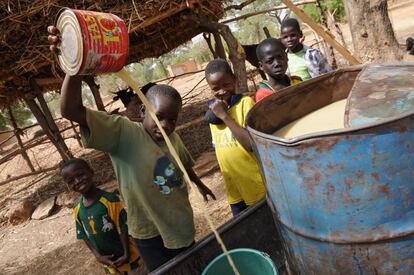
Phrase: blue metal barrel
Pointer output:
(343, 200)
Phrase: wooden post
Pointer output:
(48, 115)
(237, 57)
(95, 92)
(207, 38)
(267, 33)
(17, 132)
(330, 52)
(327, 36)
(219, 48)
(41, 119)
(76, 133)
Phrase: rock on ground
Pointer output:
(44, 209)
(20, 212)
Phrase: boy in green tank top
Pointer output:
(101, 220)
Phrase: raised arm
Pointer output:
(71, 106)
(219, 107)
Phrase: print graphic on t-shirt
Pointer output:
(166, 175)
(225, 139)
(107, 226)
(92, 225)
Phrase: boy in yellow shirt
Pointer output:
(241, 174)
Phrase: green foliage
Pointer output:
(4, 122)
(333, 6)
(22, 114)
(250, 30)
(312, 11)
(338, 7)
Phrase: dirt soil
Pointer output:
(49, 246)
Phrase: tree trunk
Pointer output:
(237, 55)
(17, 133)
(329, 48)
(372, 33)
(95, 92)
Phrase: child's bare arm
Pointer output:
(103, 259)
(204, 190)
(71, 106)
(219, 107)
(125, 245)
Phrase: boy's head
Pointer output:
(166, 102)
(291, 34)
(77, 173)
(221, 79)
(272, 58)
(131, 102)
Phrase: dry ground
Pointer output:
(49, 246)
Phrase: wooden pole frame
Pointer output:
(17, 133)
(90, 80)
(41, 119)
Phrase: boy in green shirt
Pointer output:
(100, 220)
(160, 217)
(304, 61)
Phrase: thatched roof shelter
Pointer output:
(155, 26)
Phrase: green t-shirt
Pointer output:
(102, 222)
(297, 65)
(150, 183)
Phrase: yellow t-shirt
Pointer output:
(241, 174)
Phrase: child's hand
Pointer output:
(205, 191)
(106, 260)
(219, 108)
(53, 38)
(121, 260)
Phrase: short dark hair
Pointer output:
(78, 161)
(218, 65)
(290, 22)
(267, 42)
(164, 90)
(126, 95)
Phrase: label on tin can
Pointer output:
(92, 42)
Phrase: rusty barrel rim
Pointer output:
(71, 48)
(335, 132)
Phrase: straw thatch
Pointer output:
(156, 27)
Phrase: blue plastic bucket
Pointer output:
(248, 262)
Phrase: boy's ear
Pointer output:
(260, 65)
(300, 34)
(142, 109)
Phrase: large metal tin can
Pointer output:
(343, 199)
(91, 42)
